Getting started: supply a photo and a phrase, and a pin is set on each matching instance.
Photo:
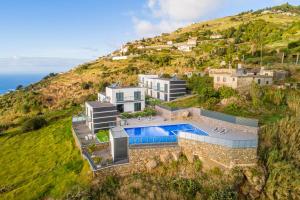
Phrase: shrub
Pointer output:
(226, 193)
(110, 185)
(198, 165)
(294, 44)
(186, 187)
(34, 124)
(226, 92)
(86, 85)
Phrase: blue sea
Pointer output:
(10, 82)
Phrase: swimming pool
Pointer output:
(159, 134)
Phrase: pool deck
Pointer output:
(231, 133)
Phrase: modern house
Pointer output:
(100, 115)
(240, 79)
(166, 89)
(126, 99)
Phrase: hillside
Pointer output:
(37, 159)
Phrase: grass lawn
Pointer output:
(103, 136)
(40, 164)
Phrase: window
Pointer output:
(120, 108)
(218, 79)
(158, 86)
(147, 83)
(151, 85)
(166, 88)
(166, 97)
(120, 96)
(258, 81)
(233, 79)
(137, 107)
(137, 95)
(158, 95)
(267, 82)
(224, 79)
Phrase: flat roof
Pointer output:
(98, 104)
(123, 87)
(118, 132)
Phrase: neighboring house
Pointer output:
(192, 41)
(216, 36)
(170, 43)
(119, 57)
(124, 49)
(126, 99)
(100, 115)
(166, 89)
(239, 78)
(185, 48)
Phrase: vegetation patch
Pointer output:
(103, 135)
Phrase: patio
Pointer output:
(84, 135)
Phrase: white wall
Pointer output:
(128, 97)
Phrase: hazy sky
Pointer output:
(86, 29)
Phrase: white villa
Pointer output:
(166, 89)
(239, 78)
(126, 99)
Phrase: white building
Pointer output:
(185, 48)
(119, 57)
(216, 36)
(166, 89)
(126, 99)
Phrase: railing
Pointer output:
(152, 140)
(219, 141)
(79, 118)
(131, 98)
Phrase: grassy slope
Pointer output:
(41, 163)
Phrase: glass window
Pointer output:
(258, 81)
(120, 96)
(166, 88)
(158, 95)
(166, 97)
(267, 82)
(224, 79)
(137, 95)
(158, 86)
(137, 107)
(233, 79)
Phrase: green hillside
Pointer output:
(39, 159)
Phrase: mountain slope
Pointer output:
(242, 37)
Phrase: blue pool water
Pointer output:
(159, 134)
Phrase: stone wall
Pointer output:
(139, 157)
(224, 156)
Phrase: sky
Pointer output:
(54, 35)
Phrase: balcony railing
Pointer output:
(130, 99)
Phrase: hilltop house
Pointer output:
(126, 99)
(240, 79)
(166, 89)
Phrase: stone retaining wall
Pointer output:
(139, 157)
(224, 156)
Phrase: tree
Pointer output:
(256, 94)
(19, 87)
(33, 124)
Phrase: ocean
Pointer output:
(10, 82)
